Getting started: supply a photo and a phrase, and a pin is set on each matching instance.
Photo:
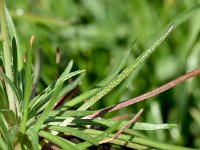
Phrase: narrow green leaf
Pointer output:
(157, 145)
(122, 76)
(48, 108)
(13, 34)
(76, 133)
(67, 69)
(81, 98)
(40, 100)
(62, 143)
(116, 69)
(7, 55)
(27, 90)
(126, 72)
(15, 66)
(135, 126)
(118, 66)
(71, 86)
(142, 141)
(70, 113)
(65, 76)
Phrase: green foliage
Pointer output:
(37, 101)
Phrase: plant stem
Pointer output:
(146, 95)
(7, 55)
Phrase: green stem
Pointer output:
(7, 55)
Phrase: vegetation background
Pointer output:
(96, 34)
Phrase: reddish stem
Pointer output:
(146, 95)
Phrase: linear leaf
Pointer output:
(27, 88)
(142, 141)
(7, 55)
(69, 87)
(70, 113)
(62, 143)
(44, 97)
(63, 77)
(135, 126)
(48, 108)
(116, 69)
(122, 76)
(126, 72)
(15, 66)
(75, 132)
(13, 34)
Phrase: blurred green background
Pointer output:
(95, 34)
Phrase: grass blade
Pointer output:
(116, 69)
(122, 76)
(141, 141)
(47, 109)
(13, 34)
(7, 55)
(136, 126)
(126, 72)
(15, 60)
(27, 87)
(70, 113)
(62, 78)
(52, 101)
(75, 132)
(40, 101)
(64, 144)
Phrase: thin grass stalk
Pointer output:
(147, 95)
(27, 88)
